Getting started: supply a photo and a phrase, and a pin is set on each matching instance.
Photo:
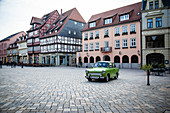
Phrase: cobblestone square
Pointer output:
(65, 90)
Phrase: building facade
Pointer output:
(62, 39)
(23, 50)
(156, 32)
(13, 53)
(4, 44)
(113, 36)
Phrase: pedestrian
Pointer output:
(15, 64)
(0, 64)
(22, 65)
(12, 64)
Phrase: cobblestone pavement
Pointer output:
(65, 89)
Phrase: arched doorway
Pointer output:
(125, 61)
(91, 59)
(85, 60)
(116, 59)
(106, 58)
(98, 59)
(155, 59)
(134, 61)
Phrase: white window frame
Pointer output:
(117, 30)
(106, 32)
(124, 29)
(108, 21)
(86, 35)
(96, 32)
(133, 27)
(125, 42)
(117, 43)
(92, 24)
(97, 46)
(133, 42)
(91, 46)
(91, 34)
(124, 17)
(86, 47)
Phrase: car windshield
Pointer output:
(101, 64)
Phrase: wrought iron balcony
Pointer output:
(106, 49)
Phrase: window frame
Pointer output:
(150, 23)
(158, 21)
(132, 41)
(123, 43)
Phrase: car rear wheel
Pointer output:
(89, 79)
(116, 77)
(107, 78)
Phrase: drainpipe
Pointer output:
(141, 40)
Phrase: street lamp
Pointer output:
(138, 52)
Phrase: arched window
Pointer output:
(106, 58)
(117, 59)
(125, 59)
(98, 59)
(134, 59)
(85, 60)
(91, 59)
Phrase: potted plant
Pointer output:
(147, 68)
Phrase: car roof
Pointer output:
(106, 61)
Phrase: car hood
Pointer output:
(97, 69)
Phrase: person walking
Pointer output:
(22, 65)
(0, 64)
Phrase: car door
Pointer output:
(111, 70)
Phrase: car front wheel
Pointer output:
(89, 79)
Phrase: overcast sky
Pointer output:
(15, 15)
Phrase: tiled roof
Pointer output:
(10, 36)
(133, 9)
(72, 14)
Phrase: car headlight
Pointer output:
(86, 71)
(103, 72)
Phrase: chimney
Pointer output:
(61, 12)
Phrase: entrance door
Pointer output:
(155, 59)
(62, 60)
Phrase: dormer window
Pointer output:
(61, 22)
(124, 17)
(92, 24)
(108, 21)
(56, 31)
(50, 32)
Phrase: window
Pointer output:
(124, 17)
(150, 5)
(56, 31)
(117, 31)
(96, 34)
(85, 47)
(117, 43)
(36, 39)
(133, 42)
(155, 41)
(156, 4)
(108, 21)
(91, 35)
(85, 36)
(48, 25)
(106, 44)
(125, 43)
(29, 41)
(124, 30)
(97, 46)
(37, 48)
(74, 33)
(69, 32)
(75, 22)
(35, 32)
(61, 22)
(159, 22)
(30, 34)
(91, 46)
(133, 28)
(92, 24)
(150, 23)
(106, 33)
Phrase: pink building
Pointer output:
(4, 44)
(115, 36)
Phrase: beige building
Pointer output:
(113, 36)
(156, 32)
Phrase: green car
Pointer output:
(102, 70)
